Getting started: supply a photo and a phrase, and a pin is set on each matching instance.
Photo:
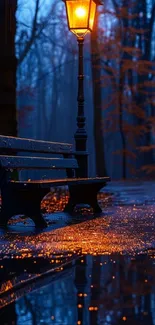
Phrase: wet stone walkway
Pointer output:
(91, 269)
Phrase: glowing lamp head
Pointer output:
(80, 15)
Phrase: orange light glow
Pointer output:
(80, 306)
(80, 12)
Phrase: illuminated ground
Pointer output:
(127, 225)
(122, 235)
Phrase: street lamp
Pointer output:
(80, 16)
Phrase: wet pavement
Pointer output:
(83, 269)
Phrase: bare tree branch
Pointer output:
(32, 37)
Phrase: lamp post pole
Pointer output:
(81, 134)
(80, 16)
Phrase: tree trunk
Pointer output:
(120, 92)
(8, 124)
(97, 101)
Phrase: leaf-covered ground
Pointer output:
(124, 236)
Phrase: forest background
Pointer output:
(38, 87)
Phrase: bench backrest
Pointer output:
(17, 162)
(10, 145)
(13, 144)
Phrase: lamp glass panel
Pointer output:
(80, 32)
(92, 14)
(78, 12)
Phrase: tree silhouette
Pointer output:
(8, 67)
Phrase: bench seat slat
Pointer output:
(30, 145)
(18, 162)
(58, 182)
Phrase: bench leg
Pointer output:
(22, 202)
(31, 201)
(94, 204)
(4, 218)
(38, 220)
(69, 208)
(84, 194)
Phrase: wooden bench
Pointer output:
(24, 197)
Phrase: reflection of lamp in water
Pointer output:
(80, 282)
(80, 16)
